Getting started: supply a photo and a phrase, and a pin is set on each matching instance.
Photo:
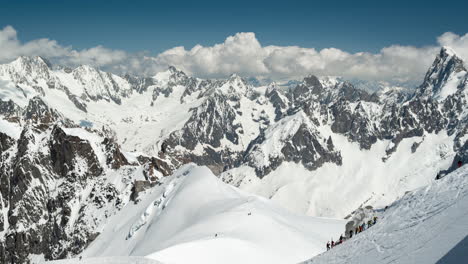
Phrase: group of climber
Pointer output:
(356, 231)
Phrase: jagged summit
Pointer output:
(447, 50)
(25, 60)
(27, 68)
(444, 76)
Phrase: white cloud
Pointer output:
(456, 42)
(243, 54)
(11, 48)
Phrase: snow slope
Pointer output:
(336, 191)
(193, 217)
(422, 227)
(104, 260)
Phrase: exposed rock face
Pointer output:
(51, 185)
(294, 139)
(115, 159)
(140, 84)
(278, 100)
(67, 152)
(38, 112)
(5, 142)
(445, 67)
(212, 130)
(10, 110)
(354, 123)
(213, 122)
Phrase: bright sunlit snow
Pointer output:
(422, 227)
(195, 218)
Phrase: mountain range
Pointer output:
(80, 146)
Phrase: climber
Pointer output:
(328, 245)
(350, 233)
(341, 239)
(369, 223)
(356, 230)
(375, 220)
(332, 243)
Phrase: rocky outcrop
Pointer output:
(71, 154)
(447, 65)
(10, 111)
(51, 185)
(209, 125)
(39, 112)
(115, 159)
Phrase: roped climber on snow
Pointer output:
(372, 221)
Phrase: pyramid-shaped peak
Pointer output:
(174, 70)
(31, 60)
(443, 77)
(447, 51)
(234, 76)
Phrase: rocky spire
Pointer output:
(444, 76)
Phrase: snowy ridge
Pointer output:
(103, 260)
(421, 227)
(204, 220)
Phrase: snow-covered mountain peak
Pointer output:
(330, 81)
(234, 87)
(447, 51)
(99, 85)
(273, 86)
(234, 77)
(26, 68)
(172, 77)
(444, 76)
(29, 61)
(238, 81)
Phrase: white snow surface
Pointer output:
(421, 227)
(103, 260)
(363, 178)
(193, 217)
(10, 129)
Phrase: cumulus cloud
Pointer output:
(11, 48)
(243, 54)
(456, 42)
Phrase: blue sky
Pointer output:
(159, 25)
(392, 41)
